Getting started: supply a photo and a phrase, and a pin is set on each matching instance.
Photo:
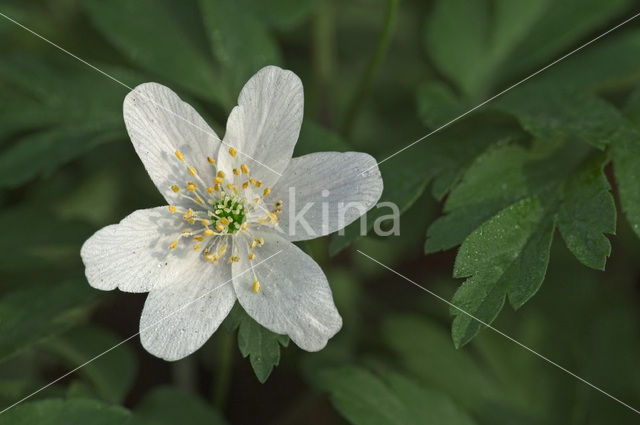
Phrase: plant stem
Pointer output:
(224, 369)
(374, 63)
(323, 34)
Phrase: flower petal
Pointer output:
(134, 255)
(265, 125)
(159, 124)
(294, 296)
(346, 185)
(179, 318)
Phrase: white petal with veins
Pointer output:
(265, 125)
(352, 185)
(159, 124)
(179, 318)
(135, 254)
(294, 297)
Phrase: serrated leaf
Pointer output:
(497, 178)
(257, 342)
(365, 399)
(30, 314)
(72, 412)
(164, 38)
(232, 28)
(588, 211)
(84, 342)
(506, 255)
(170, 406)
(549, 113)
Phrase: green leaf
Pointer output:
(503, 39)
(548, 113)
(52, 242)
(626, 167)
(165, 39)
(365, 399)
(506, 255)
(437, 104)
(232, 28)
(170, 406)
(68, 412)
(43, 152)
(606, 65)
(587, 212)
(57, 111)
(563, 24)
(491, 31)
(425, 351)
(85, 342)
(497, 178)
(283, 14)
(260, 344)
(27, 315)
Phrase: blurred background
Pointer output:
(377, 76)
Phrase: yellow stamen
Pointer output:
(222, 250)
(211, 160)
(267, 191)
(258, 183)
(216, 187)
(253, 244)
(210, 189)
(220, 227)
(180, 156)
(198, 238)
(252, 256)
(188, 214)
(208, 232)
(198, 200)
(236, 172)
(256, 286)
(186, 232)
(244, 226)
(244, 168)
(175, 188)
(224, 221)
(173, 245)
(245, 185)
(221, 174)
(260, 241)
(205, 222)
(192, 171)
(196, 247)
(232, 152)
(191, 220)
(191, 186)
(172, 208)
(218, 180)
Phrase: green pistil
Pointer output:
(231, 209)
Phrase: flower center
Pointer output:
(229, 212)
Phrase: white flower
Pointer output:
(227, 233)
